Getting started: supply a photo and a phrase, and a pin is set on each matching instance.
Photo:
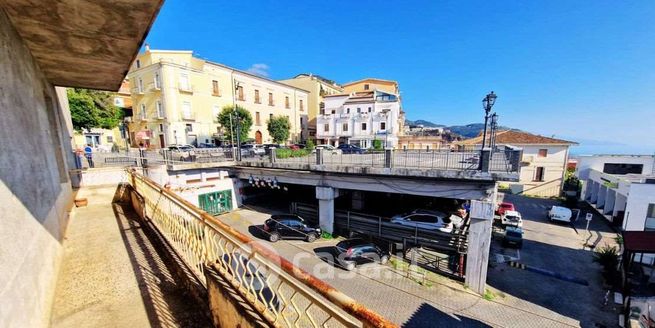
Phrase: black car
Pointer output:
(350, 149)
(242, 269)
(513, 237)
(290, 226)
(353, 252)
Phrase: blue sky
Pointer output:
(576, 69)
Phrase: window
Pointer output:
(240, 93)
(160, 109)
(186, 110)
(157, 81)
(118, 101)
(257, 100)
(270, 117)
(334, 111)
(539, 174)
(543, 152)
(257, 119)
(344, 127)
(347, 110)
(184, 81)
(614, 168)
(161, 128)
(302, 107)
(270, 99)
(143, 111)
(369, 109)
(301, 123)
(359, 110)
(138, 63)
(140, 85)
(216, 91)
(216, 111)
(188, 128)
(383, 126)
(363, 126)
(366, 87)
(326, 127)
(650, 217)
(110, 139)
(286, 102)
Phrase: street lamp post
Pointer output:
(494, 129)
(487, 102)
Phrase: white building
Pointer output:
(543, 160)
(359, 118)
(622, 187)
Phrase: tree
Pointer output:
(377, 144)
(93, 109)
(309, 145)
(232, 117)
(278, 127)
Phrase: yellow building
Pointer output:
(318, 87)
(370, 84)
(176, 98)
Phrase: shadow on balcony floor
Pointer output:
(112, 275)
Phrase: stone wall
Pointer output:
(35, 189)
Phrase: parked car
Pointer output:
(252, 150)
(329, 149)
(290, 226)
(350, 149)
(430, 221)
(457, 221)
(513, 237)
(559, 213)
(511, 218)
(245, 272)
(206, 145)
(504, 206)
(350, 253)
(180, 152)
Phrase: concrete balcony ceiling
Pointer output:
(83, 43)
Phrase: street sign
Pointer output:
(589, 216)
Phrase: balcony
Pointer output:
(186, 116)
(137, 91)
(184, 88)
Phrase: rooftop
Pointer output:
(514, 137)
(370, 79)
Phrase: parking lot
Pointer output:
(516, 299)
(561, 263)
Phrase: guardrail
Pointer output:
(284, 294)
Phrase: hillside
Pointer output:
(467, 131)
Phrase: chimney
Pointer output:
(147, 47)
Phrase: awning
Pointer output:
(639, 241)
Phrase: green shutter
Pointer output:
(217, 202)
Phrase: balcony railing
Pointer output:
(300, 299)
(185, 88)
(185, 116)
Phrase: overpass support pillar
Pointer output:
(326, 196)
(479, 242)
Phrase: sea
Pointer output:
(610, 149)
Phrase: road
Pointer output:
(437, 302)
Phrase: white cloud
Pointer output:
(258, 69)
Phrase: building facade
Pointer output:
(177, 97)
(318, 88)
(360, 118)
(543, 161)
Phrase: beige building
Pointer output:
(176, 98)
(369, 84)
(543, 160)
(319, 87)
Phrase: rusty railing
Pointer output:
(284, 294)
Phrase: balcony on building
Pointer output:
(185, 88)
(188, 116)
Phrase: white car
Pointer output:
(511, 218)
(328, 149)
(457, 221)
(422, 220)
(559, 213)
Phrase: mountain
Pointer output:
(424, 123)
(467, 131)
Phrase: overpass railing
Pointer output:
(284, 294)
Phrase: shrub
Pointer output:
(309, 145)
(608, 257)
(377, 144)
(286, 153)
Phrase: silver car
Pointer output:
(429, 220)
(328, 149)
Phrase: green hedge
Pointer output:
(286, 152)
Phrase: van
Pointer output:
(559, 213)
